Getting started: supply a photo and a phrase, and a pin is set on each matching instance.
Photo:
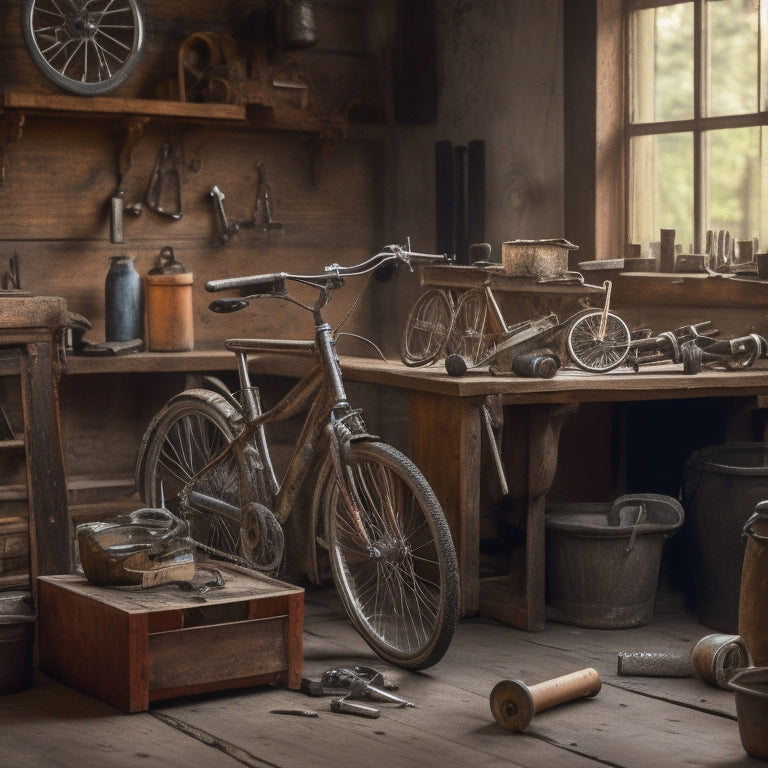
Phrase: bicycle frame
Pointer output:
(320, 392)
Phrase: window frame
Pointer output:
(614, 131)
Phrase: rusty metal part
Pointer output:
(224, 228)
(345, 707)
(359, 682)
(118, 207)
(262, 215)
(163, 193)
(514, 704)
(654, 664)
(714, 658)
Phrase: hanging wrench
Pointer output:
(224, 229)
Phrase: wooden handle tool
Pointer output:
(514, 704)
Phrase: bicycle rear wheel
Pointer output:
(426, 329)
(189, 432)
(595, 354)
(87, 47)
(467, 336)
(392, 556)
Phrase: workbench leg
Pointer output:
(445, 445)
(532, 435)
(49, 523)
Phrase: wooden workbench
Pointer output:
(445, 442)
(446, 439)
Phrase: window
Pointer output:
(695, 124)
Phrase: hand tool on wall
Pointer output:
(514, 704)
(224, 228)
(117, 208)
(262, 214)
(130, 137)
(163, 193)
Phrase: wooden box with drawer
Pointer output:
(132, 647)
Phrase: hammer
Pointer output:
(514, 704)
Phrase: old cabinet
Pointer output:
(32, 480)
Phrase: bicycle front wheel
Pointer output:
(192, 430)
(591, 352)
(392, 556)
(88, 47)
(426, 329)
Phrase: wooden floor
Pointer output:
(633, 722)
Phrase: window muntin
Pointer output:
(697, 101)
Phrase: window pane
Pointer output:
(661, 63)
(735, 183)
(731, 45)
(661, 188)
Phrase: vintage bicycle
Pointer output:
(371, 512)
(469, 331)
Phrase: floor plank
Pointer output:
(633, 722)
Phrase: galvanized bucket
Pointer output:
(720, 489)
(603, 559)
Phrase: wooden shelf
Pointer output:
(458, 276)
(109, 106)
(12, 445)
(186, 362)
(688, 290)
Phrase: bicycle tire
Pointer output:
(90, 50)
(589, 351)
(467, 335)
(392, 556)
(426, 329)
(190, 431)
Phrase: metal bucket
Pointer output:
(753, 618)
(751, 693)
(603, 559)
(17, 632)
(721, 487)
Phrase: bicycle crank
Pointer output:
(261, 537)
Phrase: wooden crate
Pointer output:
(130, 647)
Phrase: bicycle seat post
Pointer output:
(247, 398)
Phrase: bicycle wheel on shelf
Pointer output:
(86, 47)
(392, 556)
(192, 430)
(426, 328)
(591, 352)
(467, 336)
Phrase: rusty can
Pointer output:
(170, 321)
(753, 618)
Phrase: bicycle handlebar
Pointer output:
(332, 273)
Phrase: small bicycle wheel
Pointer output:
(185, 437)
(392, 556)
(86, 47)
(593, 353)
(426, 329)
(467, 335)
